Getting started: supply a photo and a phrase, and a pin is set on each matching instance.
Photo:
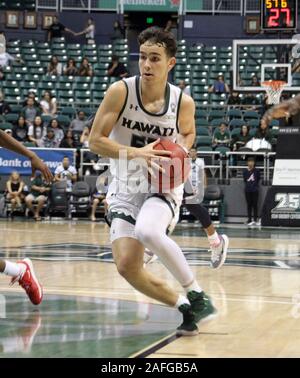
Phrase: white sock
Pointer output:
(181, 300)
(12, 269)
(194, 286)
(214, 239)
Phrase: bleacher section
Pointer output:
(67, 89)
(197, 65)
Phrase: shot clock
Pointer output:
(279, 14)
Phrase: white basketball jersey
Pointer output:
(137, 127)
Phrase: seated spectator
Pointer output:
(254, 81)
(20, 130)
(70, 68)
(219, 86)
(184, 87)
(250, 99)
(116, 69)
(85, 69)
(30, 111)
(14, 190)
(36, 131)
(241, 139)
(234, 98)
(66, 172)
(54, 67)
(68, 140)
(221, 136)
(58, 131)
(48, 104)
(4, 106)
(98, 197)
(49, 140)
(263, 132)
(79, 123)
(32, 94)
(39, 192)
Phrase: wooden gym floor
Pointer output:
(90, 311)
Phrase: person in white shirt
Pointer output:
(89, 32)
(66, 172)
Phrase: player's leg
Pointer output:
(128, 255)
(218, 243)
(23, 272)
(151, 231)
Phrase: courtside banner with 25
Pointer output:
(10, 161)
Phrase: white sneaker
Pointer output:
(251, 224)
(218, 254)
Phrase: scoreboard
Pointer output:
(279, 14)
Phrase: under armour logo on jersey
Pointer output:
(135, 107)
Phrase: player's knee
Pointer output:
(125, 268)
(144, 235)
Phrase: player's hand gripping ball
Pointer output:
(176, 170)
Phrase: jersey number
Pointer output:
(139, 141)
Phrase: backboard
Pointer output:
(267, 59)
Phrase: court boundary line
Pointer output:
(153, 348)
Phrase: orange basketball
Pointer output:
(177, 169)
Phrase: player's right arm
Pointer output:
(104, 122)
(283, 110)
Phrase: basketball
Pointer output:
(177, 169)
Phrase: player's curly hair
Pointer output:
(161, 37)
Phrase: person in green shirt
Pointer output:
(38, 194)
(221, 136)
(241, 139)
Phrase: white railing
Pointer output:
(47, 4)
(251, 6)
(90, 5)
(213, 6)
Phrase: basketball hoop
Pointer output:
(274, 89)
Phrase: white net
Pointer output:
(274, 89)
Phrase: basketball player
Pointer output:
(22, 271)
(192, 201)
(139, 110)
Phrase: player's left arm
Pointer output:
(186, 122)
